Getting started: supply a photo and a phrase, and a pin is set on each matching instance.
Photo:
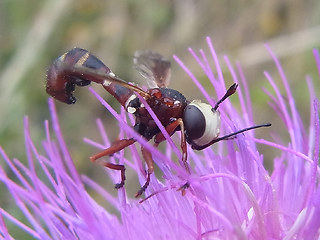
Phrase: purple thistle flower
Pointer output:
(232, 195)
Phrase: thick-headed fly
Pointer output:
(199, 122)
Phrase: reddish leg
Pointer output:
(115, 147)
(171, 129)
(148, 158)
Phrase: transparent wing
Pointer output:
(153, 67)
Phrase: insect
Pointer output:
(199, 122)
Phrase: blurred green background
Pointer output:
(35, 32)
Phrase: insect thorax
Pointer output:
(168, 105)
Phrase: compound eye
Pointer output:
(194, 122)
(202, 123)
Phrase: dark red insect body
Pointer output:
(199, 122)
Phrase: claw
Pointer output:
(119, 185)
(183, 188)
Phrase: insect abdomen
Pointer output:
(62, 79)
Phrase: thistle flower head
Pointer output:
(231, 194)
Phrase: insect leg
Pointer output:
(183, 145)
(115, 147)
(149, 161)
(171, 128)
